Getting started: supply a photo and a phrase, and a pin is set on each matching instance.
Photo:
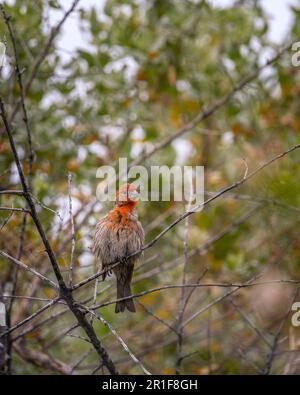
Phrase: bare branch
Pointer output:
(44, 53)
(70, 282)
(65, 293)
(31, 317)
(121, 341)
(214, 107)
(236, 286)
(29, 269)
(188, 213)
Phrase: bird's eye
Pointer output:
(123, 193)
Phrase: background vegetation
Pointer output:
(150, 68)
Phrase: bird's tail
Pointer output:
(124, 290)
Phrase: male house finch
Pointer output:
(118, 235)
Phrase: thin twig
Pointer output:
(70, 282)
(65, 292)
(180, 314)
(274, 346)
(15, 209)
(43, 54)
(214, 107)
(31, 317)
(124, 345)
(236, 286)
(190, 212)
(29, 269)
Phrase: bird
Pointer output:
(118, 235)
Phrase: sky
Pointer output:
(278, 11)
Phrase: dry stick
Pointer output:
(94, 371)
(29, 269)
(43, 55)
(4, 172)
(14, 290)
(188, 213)
(193, 123)
(123, 344)
(202, 275)
(81, 359)
(17, 209)
(33, 327)
(39, 324)
(191, 338)
(77, 226)
(224, 296)
(59, 337)
(236, 286)
(3, 348)
(5, 222)
(41, 359)
(292, 362)
(157, 318)
(272, 354)
(250, 323)
(28, 298)
(79, 337)
(62, 335)
(247, 284)
(208, 338)
(203, 248)
(180, 330)
(45, 321)
(12, 192)
(30, 164)
(39, 203)
(65, 292)
(198, 250)
(22, 94)
(220, 193)
(214, 107)
(217, 237)
(24, 306)
(274, 262)
(161, 345)
(70, 283)
(95, 297)
(57, 315)
(253, 364)
(200, 117)
(31, 317)
(160, 220)
(251, 198)
(217, 300)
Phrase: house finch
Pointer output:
(118, 235)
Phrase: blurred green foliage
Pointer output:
(152, 66)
